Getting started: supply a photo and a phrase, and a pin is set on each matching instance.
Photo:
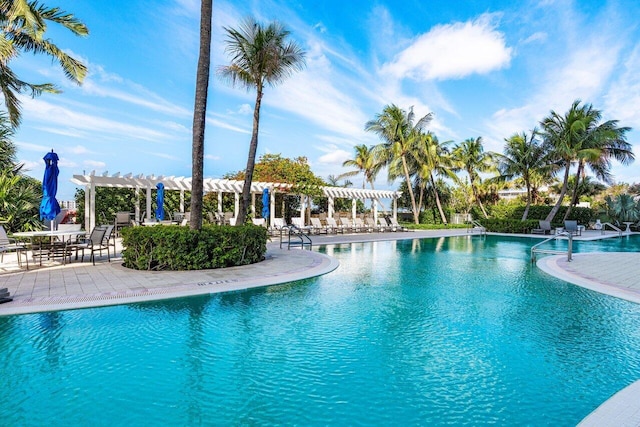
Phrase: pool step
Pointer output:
(4, 295)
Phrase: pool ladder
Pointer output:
(300, 239)
(476, 226)
(535, 249)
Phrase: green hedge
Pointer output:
(582, 215)
(509, 225)
(180, 248)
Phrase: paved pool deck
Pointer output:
(83, 285)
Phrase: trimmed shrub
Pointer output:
(173, 247)
(509, 225)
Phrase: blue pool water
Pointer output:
(457, 331)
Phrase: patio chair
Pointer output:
(544, 227)
(370, 222)
(317, 227)
(360, 226)
(109, 239)
(94, 243)
(277, 225)
(571, 226)
(261, 222)
(384, 225)
(298, 222)
(8, 244)
(346, 224)
(333, 225)
(123, 219)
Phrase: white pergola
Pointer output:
(219, 186)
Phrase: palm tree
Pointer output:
(602, 142)
(259, 56)
(401, 137)
(623, 208)
(576, 136)
(365, 162)
(23, 26)
(470, 156)
(522, 157)
(433, 159)
(199, 115)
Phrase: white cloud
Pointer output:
(27, 146)
(211, 157)
(452, 51)
(78, 149)
(624, 94)
(335, 157)
(64, 132)
(224, 125)
(539, 36)
(245, 109)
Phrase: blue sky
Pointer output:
(484, 68)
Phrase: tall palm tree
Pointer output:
(471, 157)
(199, 115)
(577, 135)
(523, 156)
(23, 25)
(365, 163)
(401, 137)
(259, 56)
(602, 142)
(433, 159)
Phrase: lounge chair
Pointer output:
(544, 228)
(299, 223)
(333, 225)
(317, 226)
(372, 224)
(359, 226)
(384, 225)
(346, 224)
(397, 227)
(571, 226)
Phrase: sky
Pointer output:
(483, 68)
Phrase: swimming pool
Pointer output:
(437, 331)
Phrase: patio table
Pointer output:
(54, 248)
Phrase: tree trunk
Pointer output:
(526, 209)
(475, 196)
(574, 196)
(199, 114)
(416, 219)
(438, 204)
(563, 191)
(251, 160)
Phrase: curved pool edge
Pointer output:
(116, 285)
(621, 409)
(595, 271)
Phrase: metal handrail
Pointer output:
(569, 251)
(604, 226)
(305, 240)
(475, 225)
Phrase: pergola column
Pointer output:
(181, 201)
(395, 208)
(374, 202)
(353, 209)
(272, 206)
(303, 206)
(148, 218)
(220, 202)
(236, 205)
(330, 207)
(87, 207)
(253, 205)
(137, 207)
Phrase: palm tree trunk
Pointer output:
(475, 196)
(413, 198)
(526, 209)
(251, 160)
(574, 196)
(563, 191)
(420, 199)
(199, 115)
(435, 191)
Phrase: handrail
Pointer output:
(604, 225)
(475, 225)
(305, 240)
(569, 252)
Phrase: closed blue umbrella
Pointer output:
(265, 204)
(160, 201)
(49, 206)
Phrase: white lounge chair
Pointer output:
(299, 223)
(346, 224)
(360, 226)
(8, 244)
(384, 225)
(333, 225)
(372, 224)
(317, 226)
(397, 227)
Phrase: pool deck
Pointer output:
(82, 285)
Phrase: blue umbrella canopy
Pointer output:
(49, 206)
(265, 204)
(160, 201)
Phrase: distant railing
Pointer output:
(475, 226)
(613, 227)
